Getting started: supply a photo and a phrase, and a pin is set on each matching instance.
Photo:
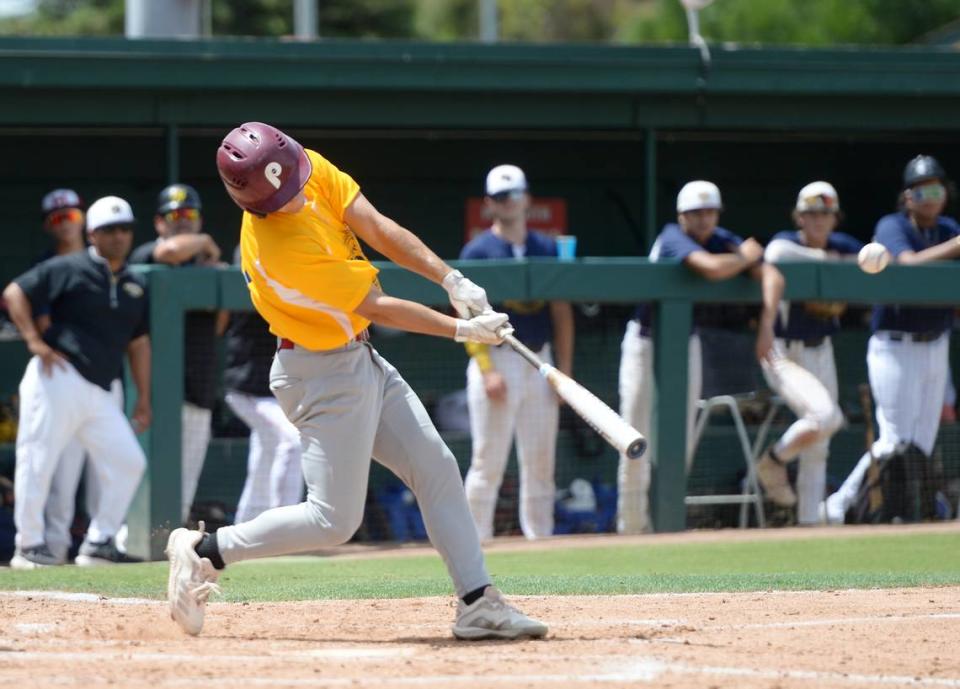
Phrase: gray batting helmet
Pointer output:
(921, 169)
(261, 167)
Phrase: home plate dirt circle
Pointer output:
(888, 638)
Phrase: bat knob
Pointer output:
(636, 449)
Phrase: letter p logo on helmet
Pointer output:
(272, 172)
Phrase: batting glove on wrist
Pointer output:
(487, 328)
(467, 297)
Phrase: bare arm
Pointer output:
(771, 287)
(945, 251)
(223, 320)
(406, 315)
(21, 313)
(182, 247)
(718, 266)
(562, 314)
(785, 250)
(397, 243)
(138, 353)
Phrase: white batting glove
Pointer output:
(467, 297)
(487, 328)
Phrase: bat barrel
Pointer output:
(636, 449)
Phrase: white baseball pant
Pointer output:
(349, 405)
(62, 501)
(636, 385)
(908, 381)
(195, 422)
(54, 409)
(806, 379)
(274, 477)
(530, 413)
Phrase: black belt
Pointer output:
(928, 336)
(809, 342)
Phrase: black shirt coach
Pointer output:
(94, 313)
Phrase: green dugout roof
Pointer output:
(146, 83)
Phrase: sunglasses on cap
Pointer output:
(928, 192)
(513, 194)
(65, 215)
(182, 214)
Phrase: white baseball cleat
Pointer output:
(773, 478)
(192, 579)
(492, 617)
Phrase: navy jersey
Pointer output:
(94, 313)
(530, 319)
(674, 243)
(897, 233)
(800, 323)
(200, 342)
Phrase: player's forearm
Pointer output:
(397, 243)
(405, 249)
(21, 312)
(179, 248)
(772, 284)
(406, 315)
(941, 252)
(785, 250)
(716, 266)
(562, 315)
(138, 353)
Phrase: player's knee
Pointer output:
(831, 422)
(334, 526)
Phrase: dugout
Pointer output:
(612, 130)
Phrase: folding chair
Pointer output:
(731, 377)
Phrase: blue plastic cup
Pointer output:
(566, 247)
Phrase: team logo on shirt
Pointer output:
(133, 289)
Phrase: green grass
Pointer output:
(886, 560)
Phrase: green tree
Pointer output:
(800, 22)
(68, 18)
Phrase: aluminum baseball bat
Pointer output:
(588, 406)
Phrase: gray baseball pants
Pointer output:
(349, 405)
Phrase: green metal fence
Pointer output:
(157, 505)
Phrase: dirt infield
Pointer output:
(871, 638)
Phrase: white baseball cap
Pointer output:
(110, 210)
(818, 196)
(505, 178)
(698, 195)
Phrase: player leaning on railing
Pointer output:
(310, 281)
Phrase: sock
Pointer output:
(207, 547)
(474, 595)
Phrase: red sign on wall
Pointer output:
(547, 215)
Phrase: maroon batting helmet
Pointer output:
(262, 168)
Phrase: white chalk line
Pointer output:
(74, 597)
(644, 670)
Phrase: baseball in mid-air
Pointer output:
(873, 257)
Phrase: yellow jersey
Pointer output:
(306, 271)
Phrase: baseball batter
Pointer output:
(506, 396)
(97, 311)
(310, 280)
(907, 355)
(803, 372)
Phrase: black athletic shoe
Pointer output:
(32, 558)
(106, 553)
